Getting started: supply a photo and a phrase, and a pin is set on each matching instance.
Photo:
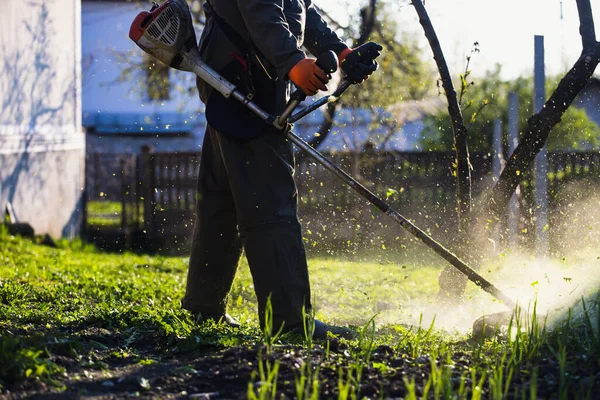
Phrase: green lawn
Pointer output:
(108, 214)
(72, 315)
(104, 213)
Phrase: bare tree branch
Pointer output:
(586, 24)
(392, 126)
(540, 124)
(326, 125)
(330, 20)
(367, 16)
(458, 127)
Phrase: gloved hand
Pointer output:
(308, 76)
(359, 63)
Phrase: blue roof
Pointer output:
(163, 123)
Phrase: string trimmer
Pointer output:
(167, 33)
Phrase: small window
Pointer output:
(157, 79)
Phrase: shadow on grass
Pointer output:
(77, 353)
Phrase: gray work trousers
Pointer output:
(247, 197)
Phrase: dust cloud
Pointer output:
(554, 285)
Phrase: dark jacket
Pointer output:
(279, 29)
(276, 30)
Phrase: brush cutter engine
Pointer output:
(166, 32)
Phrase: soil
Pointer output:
(176, 373)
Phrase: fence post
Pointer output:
(86, 192)
(136, 172)
(96, 174)
(149, 199)
(541, 160)
(123, 200)
(513, 141)
(497, 166)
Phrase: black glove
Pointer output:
(360, 62)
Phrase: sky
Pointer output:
(504, 29)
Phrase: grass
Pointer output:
(70, 310)
(108, 214)
(104, 213)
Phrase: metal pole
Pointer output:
(541, 160)
(497, 165)
(513, 141)
(498, 159)
(123, 198)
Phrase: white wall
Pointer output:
(41, 141)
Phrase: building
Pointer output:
(42, 144)
(397, 128)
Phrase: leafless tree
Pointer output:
(540, 124)
(532, 141)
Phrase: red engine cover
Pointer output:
(143, 19)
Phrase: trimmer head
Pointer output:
(167, 33)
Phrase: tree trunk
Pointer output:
(463, 165)
(540, 124)
(452, 283)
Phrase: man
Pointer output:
(246, 191)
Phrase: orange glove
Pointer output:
(308, 77)
(343, 54)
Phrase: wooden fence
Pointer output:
(169, 187)
(419, 185)
(566, 167)
(113, 209)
